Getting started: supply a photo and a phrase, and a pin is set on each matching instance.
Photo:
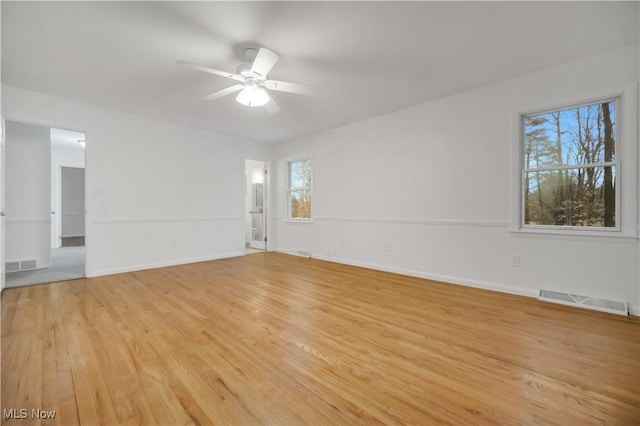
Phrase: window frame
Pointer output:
(289, 217)
(616, 164)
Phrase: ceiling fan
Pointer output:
(253, 80)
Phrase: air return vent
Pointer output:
(23, 265)
(12, 266)
(301, 253)
(604, 305)
(27, 265)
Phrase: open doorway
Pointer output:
(70, 187)
(42, 202)
(255, 206)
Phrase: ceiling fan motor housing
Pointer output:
(244, 70)
(250, 54)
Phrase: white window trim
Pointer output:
(575, 229)
(626, 227)
(299, 221)
(288, 219)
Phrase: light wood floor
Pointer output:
(277, 339)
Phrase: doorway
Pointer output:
(255, 206)
(71, 190)
(35, 214)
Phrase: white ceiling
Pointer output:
(368, 58)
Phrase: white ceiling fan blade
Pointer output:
(224, 92)
(283, 86)
(271, 106)
(264, 61)
(210, 70)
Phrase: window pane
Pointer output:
(575, 136)
(300, 189)
(574, 197)
(300, 204)
(300, 175)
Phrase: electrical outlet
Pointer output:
(387, 247)
(515, 261)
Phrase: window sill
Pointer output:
(299, 221)
(576, 235)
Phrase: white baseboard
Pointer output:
(306, 254)
(633, 309)
(435, 277)
(111, 271)
(71, 236)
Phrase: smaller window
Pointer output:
(299, 191)
(570, 167)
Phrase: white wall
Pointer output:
(72, 202)
(438, 182)
(28, 193)
(2, 168)
(67, 156)
(158, 193)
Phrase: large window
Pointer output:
(299, 192)
(570, 167)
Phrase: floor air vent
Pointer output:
(604, 305)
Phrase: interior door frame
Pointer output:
(57, 207)
(2, 221)
(57, 228)
(266, 199)
(87, 211)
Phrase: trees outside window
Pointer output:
(299, 192)
(569, 167)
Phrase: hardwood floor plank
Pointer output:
(277, 339)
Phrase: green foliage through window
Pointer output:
(300, 190)
(569, 166)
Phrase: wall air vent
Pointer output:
(27, 265)
(23, 265)
(604, 305)
(301, 253)
(12, 267)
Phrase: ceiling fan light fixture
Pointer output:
(253, 96)
(253, 81)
